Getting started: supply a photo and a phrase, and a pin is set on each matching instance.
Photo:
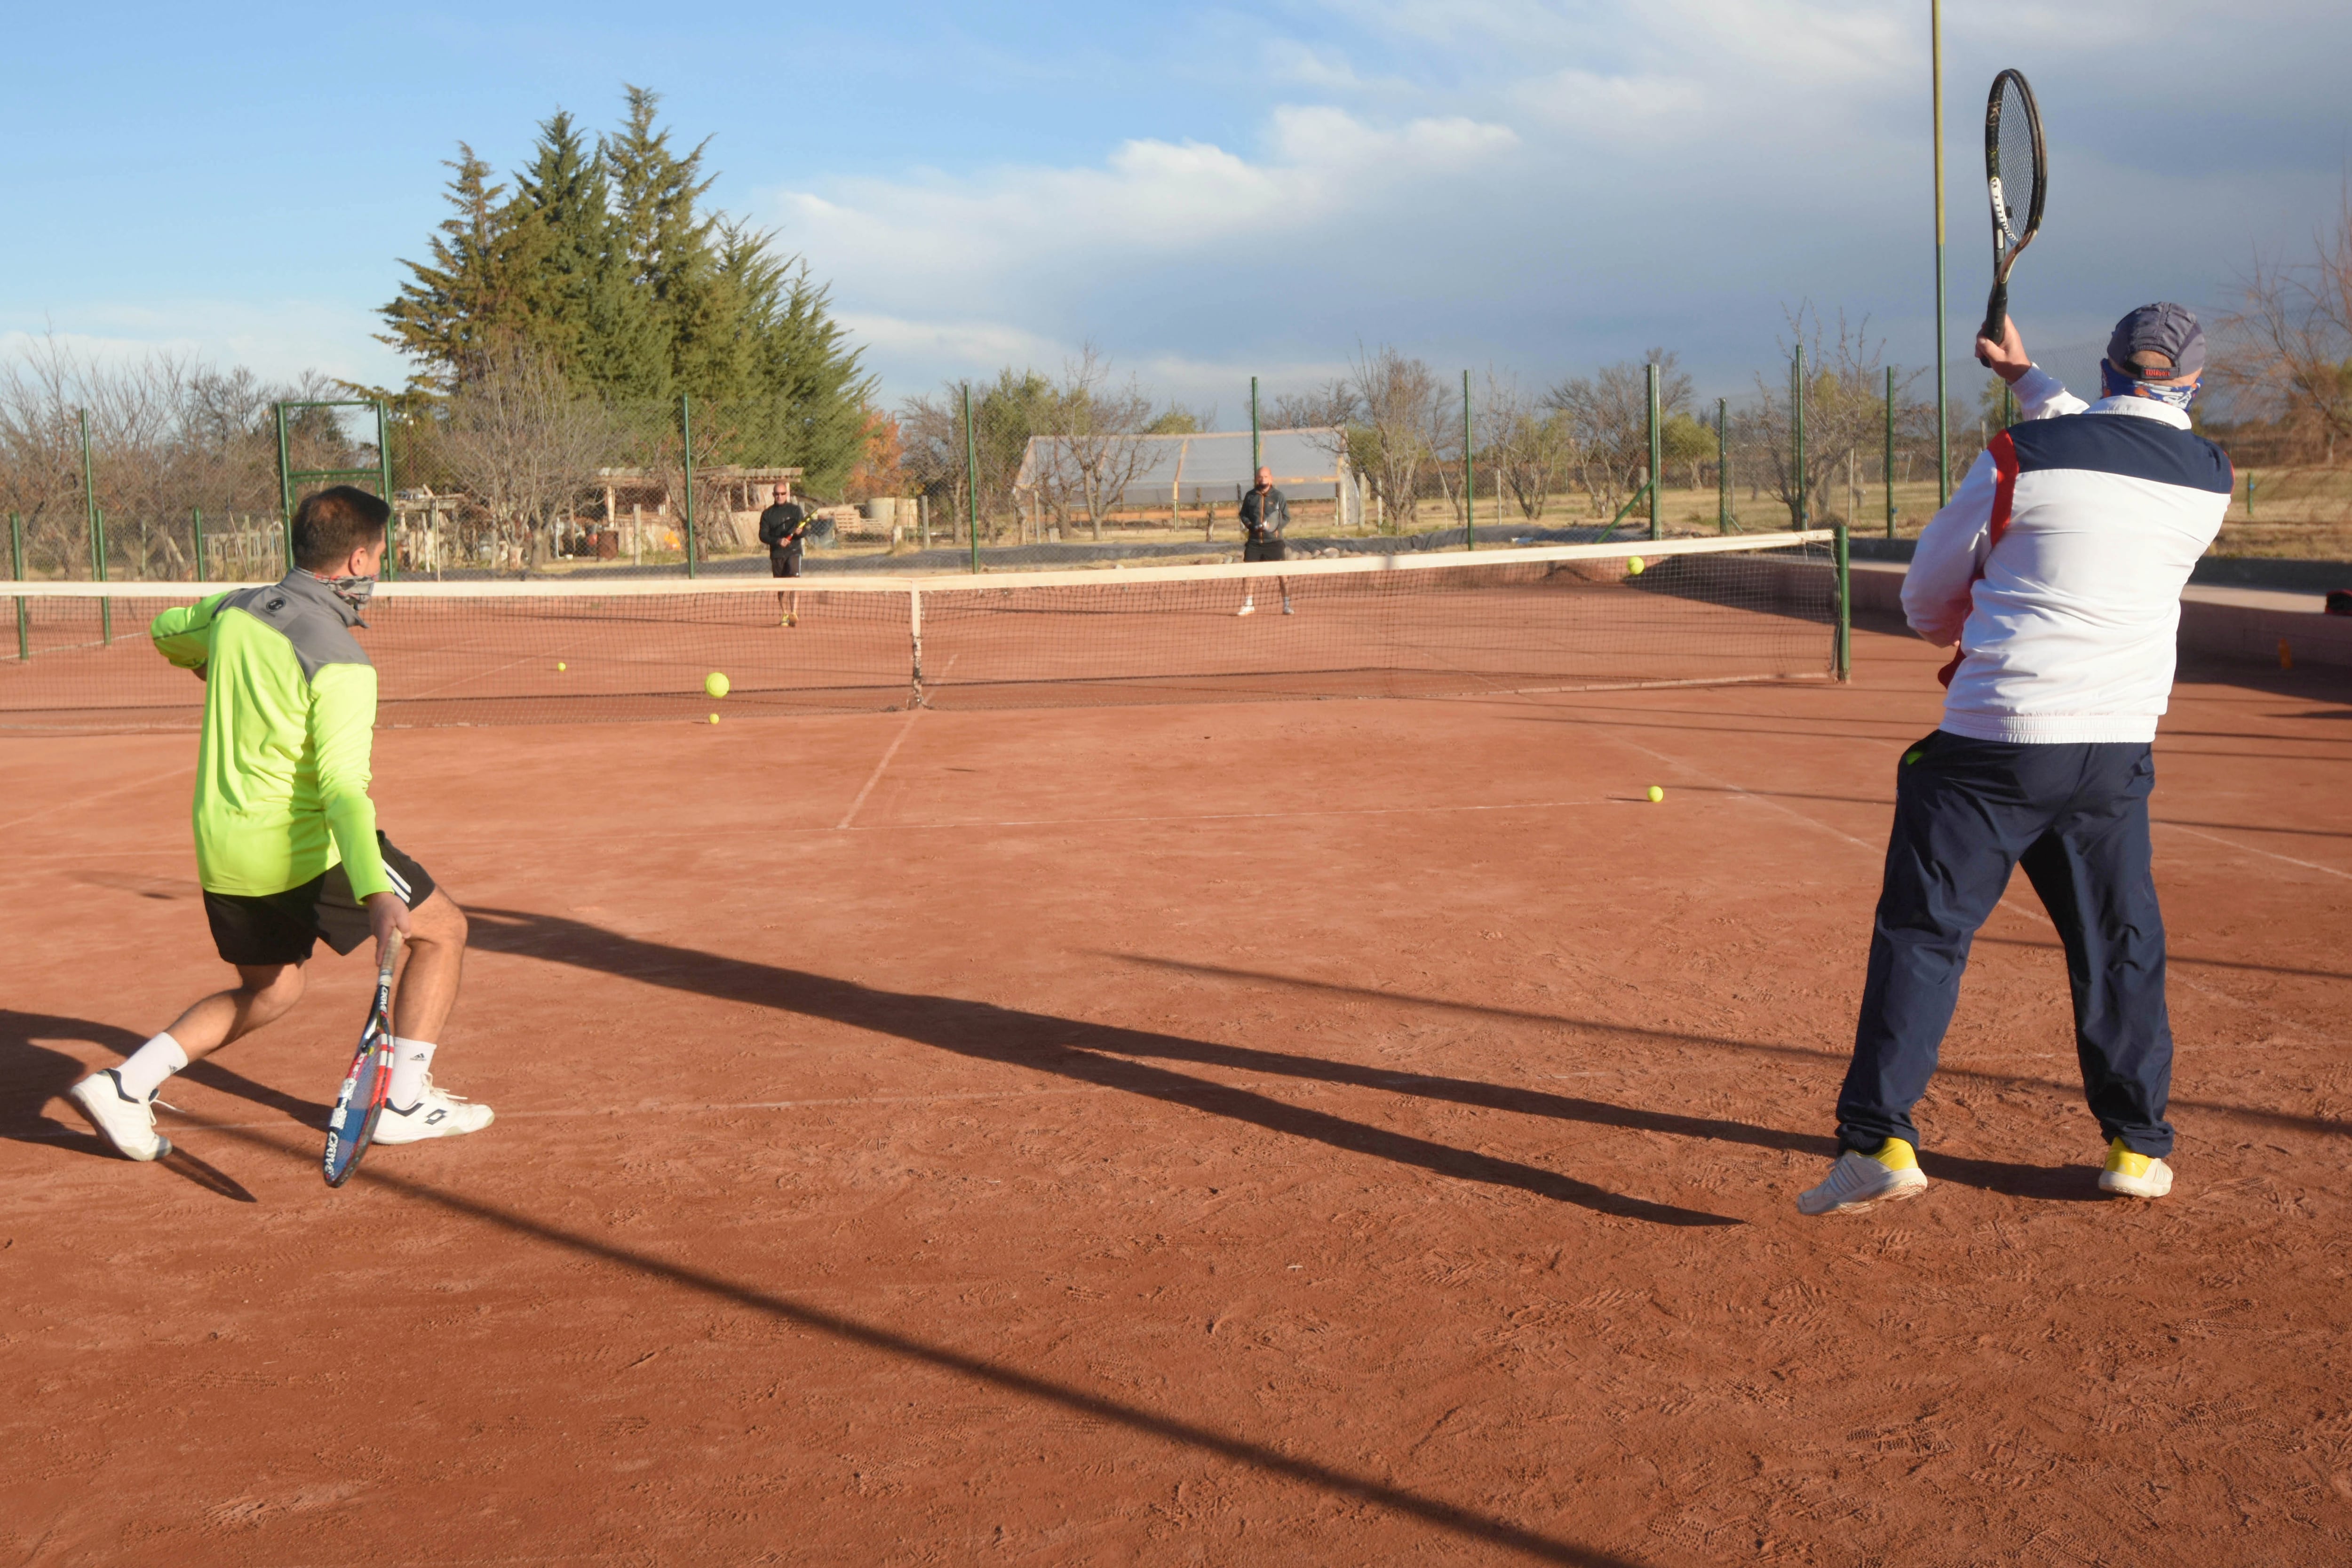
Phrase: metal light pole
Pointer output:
(1943, 380)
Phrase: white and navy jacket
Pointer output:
(2058, 567)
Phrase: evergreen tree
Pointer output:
(466, 301)
(603, 262)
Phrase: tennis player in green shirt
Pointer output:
(286, 846)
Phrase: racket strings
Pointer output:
(2017, 163)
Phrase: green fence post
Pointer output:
(1796, 434)
(686, 435)
(285, 489)
(971, 477)
(1657, 453)
(1469, 475)
(383, 482)
(196, 523)
(16, 560)
(2249, 495)
(97, 520)
(1258, 460)
(1889, 475)
(1843, 651)
(1722, 466)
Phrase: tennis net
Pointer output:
(1561, 617)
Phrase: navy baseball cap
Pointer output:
(2162, 329)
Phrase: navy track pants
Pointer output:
(2076, 817)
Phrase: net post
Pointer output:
(915, 634)
(383, 481)
(285, 489)
(1841, 652)
(1657, 450)
(971, 477)
(686, 435)
(16, 562)
(1889, 474)
(1797, 436)
(1722, 466)
(196, 525)
(1469, 474)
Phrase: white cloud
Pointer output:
(278, 342)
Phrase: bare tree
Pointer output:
(524, 445)
(167, 438)
(1845, 413)
(2289, 345)
(1400, 414)
(1098, 446)
(1530, 448)
(1608, 421)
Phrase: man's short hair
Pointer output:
(331, 523)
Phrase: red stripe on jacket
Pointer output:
(2004, 497)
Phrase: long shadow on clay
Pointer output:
(1137, 1418)
(1087, 1053)
(32, 1076)
(2329, 1126)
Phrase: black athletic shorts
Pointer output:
(1264, 550)
(784, 562)
(281, 928)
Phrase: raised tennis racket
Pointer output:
(361, 1100)
(2017, 179)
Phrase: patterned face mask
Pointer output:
(352, 591)
(2113, 382)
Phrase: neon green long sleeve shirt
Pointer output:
(290, 723)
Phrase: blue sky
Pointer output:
(1201, 190)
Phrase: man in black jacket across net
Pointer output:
(782, 528)
(1265, 512)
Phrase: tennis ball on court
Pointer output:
(560, 666)
(1656, 793)
(715, 683)
(714, 718)
(1633, 566)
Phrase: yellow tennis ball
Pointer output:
(714, 718)
(560, 665)
(716, 684)
(1633, 566)
(1656, 793)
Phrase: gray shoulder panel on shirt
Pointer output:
(316, 630)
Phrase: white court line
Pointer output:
(875, 777)
(710, 1109)
(101, 795)
(2250, 849)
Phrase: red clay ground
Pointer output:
(1315, 1132)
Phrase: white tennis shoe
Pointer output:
(2134, 1176)
(1249, 607)
(438, 1113)
(1860, 1181)
(122, 1119)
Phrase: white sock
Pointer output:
(150, 1065)
(409, 1060)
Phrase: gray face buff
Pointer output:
(352, 591)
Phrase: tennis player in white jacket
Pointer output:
(2057, 569)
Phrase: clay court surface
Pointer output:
(1334, 1132)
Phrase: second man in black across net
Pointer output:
(782, 526)
(1265, 515)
